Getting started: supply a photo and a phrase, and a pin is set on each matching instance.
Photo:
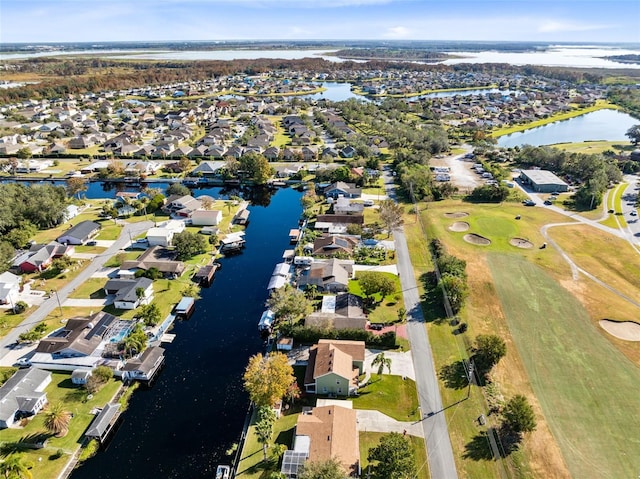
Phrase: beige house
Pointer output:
(334, 367)
(323, 433)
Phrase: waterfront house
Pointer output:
(206, 217)
(322, 434)
(330, 276)
(334, 367)
(342, 311)
(144, 367)
(160, 236)
(337, 223)
(130, 293)
(23, 394)
(344, 206)
(156, 257)
(328, 245)
(207, 169)
(80, 233)
(340, 188)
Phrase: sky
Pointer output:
(162, 20)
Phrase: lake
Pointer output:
(608, 125)
(182, 425)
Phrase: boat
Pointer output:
(223, 472)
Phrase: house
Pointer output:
(80, 377)
(9, 288)
(206, 217)
(160, 236)
(70, 212)
(207, 168)
(340, 188)
(336, 224)
(331, 276)
(334, 367)
(342, 311)
(348, 152)
(41, 256)
(344, 206)
(80, 233)
(145, 366)
(328, 245)
(23, 394)
(324, 433)
(159, 258)
(130, 293)
(182, 205)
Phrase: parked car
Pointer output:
(92, 243)
(376, 326)
(23, 362)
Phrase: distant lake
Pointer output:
(607, 125)
(483, 91)
(584, 56)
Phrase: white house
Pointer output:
(23, 392)
(130, 293)
(206, 218)
(9, 288)
(160, 236)
(80, 376)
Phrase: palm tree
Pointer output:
(382, 362)
(57, 419)
(14, 467)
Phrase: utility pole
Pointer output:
(58, 299)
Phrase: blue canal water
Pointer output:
(182, 425)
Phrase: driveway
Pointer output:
(401, 363)
(88, 303)
(375, 421)
(387, 268)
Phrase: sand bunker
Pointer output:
(627, 330)
(521, 243)
(476, 239)
(459, 226)
(457, 214)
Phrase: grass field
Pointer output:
(391, 395)
(369, 440)
(594, 147)
(584, 384)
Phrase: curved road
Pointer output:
(439, 451)
(128, 231)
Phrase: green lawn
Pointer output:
(391, 395)
(386, 309)
(93, 288)
(594, 147)
(60, 390)
(585, 386)
(109, 232)
(369, 440)
(251, 465)
(126, 255)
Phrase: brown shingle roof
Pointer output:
(333, 433)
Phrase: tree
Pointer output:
(289, 303)
(256, 167)
(191, 290)
(24, 153)
(189, 244)
(15, 467)
(178, 189)
(75, 186)
(267, 379)
(518, 414)
(135, 342)
(390, 215)
(184, 163)
(382, 362)
(149, 314)
(207, 202)
(634, 134)
(57, 419)
(457, 290)
(20, 236)
(489, 349)
(395, 458)
(372, 282)
(329, 469)
(264, 427)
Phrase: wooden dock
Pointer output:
(205, 275)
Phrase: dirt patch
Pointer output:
(626, 330)
(457, 214)
(476, 239)
(521, 243)
(459, 226)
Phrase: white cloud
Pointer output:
(550, 26)
(397, 32)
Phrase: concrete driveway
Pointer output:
(388, 268)
(401, 363)
(88, 303)
(375, 421)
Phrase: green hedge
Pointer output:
(303, 335)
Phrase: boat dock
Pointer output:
(205, 275)
(186, 306)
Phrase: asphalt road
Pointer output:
(128, 231)
(439, 451)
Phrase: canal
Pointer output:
(182, 425)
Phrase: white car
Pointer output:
(24, 362)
